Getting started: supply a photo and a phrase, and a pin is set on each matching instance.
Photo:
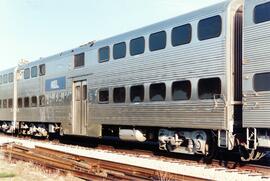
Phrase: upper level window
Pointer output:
(1, 79)
(79, 60)
(209, 28)
(157, 41)
(209, 88)
(157, 92)
(119, 95)
(42, 69)
(137, 93)
(137, 46)
(262, 13)
(34, 71)
(0, 103)
(104, 54)
(119, 50)
(261, 82)
(10, 77)
(181, 35)
(181, 90)
(103, 96)
(27, 73)
(5, 78)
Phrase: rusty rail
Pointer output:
(84, 167)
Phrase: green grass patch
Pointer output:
(7, 175)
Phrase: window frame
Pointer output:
(130, 91)
(130, 46)
(105, 60)
(255, 10)
(26, 76)
(198, 88)
(125, 50)
(101, 90)
(32, 68)
(42, 71)
(77, 57)
(156, 33)
(253, 82)
(213, 36)
(172, 90)
(151, 97)
(178, 27)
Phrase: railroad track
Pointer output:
(103, 171)
(84, 167)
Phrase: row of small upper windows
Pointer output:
(24, 102)
(207, 28)
(6, 78)
(34, 72)
(180, 90)
(262, 13)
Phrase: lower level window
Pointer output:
(157, 92)
(119, 95)
(209, 88)
(103, 96)
(261, 82)
(137, 93)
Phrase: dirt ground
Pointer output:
(23, 171)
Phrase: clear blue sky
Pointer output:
(31, 29)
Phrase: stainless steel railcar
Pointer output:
(178, 82)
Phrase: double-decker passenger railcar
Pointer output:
(177, 82)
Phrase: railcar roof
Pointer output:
(185, 18)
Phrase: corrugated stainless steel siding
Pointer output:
(256, 60)
(206, 60)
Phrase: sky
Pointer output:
(31, 29)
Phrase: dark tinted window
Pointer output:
(4, 103)
(157, 41)
(1, 79)
(103, 96)
(10, 103)
(119, 50)
(181, 90)
(34, 71)
(20, 103)
(261, 82)
(209, 28)
(26, 102)
(10, 77)
(262, 13)
(34, 101)
(137, 46)
(137, 93)
(5, 78)
(42, 100)
(79, 60)
(119, 95)
(181, 35)
(42, 69)
(27, 73)
(157, 92)
(208, 88)
(104, 54)
(0, 103)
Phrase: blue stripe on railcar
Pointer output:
(57, 83)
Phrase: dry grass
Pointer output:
(23, 171)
